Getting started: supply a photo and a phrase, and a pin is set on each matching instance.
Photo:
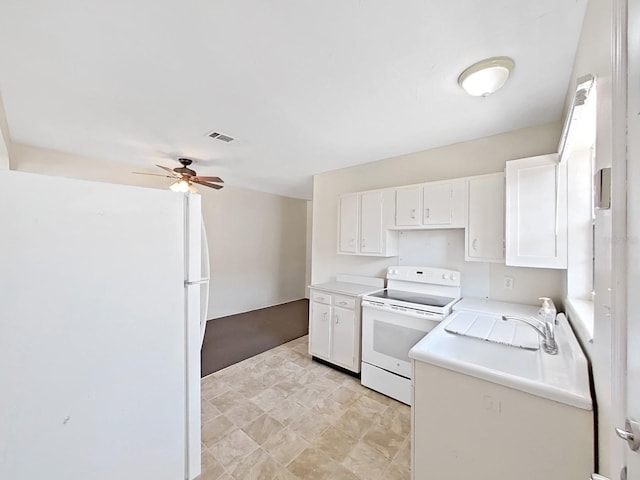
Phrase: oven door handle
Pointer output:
(373, 304)
(436, 317)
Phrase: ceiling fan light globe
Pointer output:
(180, 186)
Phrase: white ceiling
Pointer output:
(305, 86)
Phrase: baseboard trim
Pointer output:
(257, 309)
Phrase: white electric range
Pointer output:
(395, 319)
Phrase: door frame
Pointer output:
(618, 238)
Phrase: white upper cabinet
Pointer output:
(443, 203)
(364, 222)
(432, 205)
(522, 223)
(437, 200)
(536, 212)
(349, 223)
(484, 235)
(408, 206)
(371, 222)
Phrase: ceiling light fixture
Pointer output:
(487, 76)
(182, 186)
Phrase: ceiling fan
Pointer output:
(185, 177)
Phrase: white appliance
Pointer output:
(99, 330)
(395, 319)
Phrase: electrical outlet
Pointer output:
(508, 283)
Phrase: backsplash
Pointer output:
(445, 249)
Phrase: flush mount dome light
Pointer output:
(487, 76)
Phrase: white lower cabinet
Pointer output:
(343, 335)
(320, 341)
(467, 428)
(484, 235)
(334, 328)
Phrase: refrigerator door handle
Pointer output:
(196, 282)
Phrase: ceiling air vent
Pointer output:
(221, 136)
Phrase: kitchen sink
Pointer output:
(562, 377)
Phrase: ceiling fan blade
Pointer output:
(177, 175)
(210, 185)
(154, 174)
(209, 179)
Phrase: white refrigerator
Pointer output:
(99, 330)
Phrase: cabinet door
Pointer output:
(348, 234)
(485, 222)
(459, 204)
(536, 212)
(371, 222)
(320, 330)
(408, 206)
(437, 204)
(344, 332)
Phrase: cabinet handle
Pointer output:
(474, 244)
(337, 319)
(324, 316)
(427, 212)
(321, 299)
(413, 213)
(364, 242)
(342, 303)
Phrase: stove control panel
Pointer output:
(430, 275)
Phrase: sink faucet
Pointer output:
(544, 329)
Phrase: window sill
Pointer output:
(580, 314)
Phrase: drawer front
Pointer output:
(344, 302)
(321, 297)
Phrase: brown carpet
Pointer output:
(231, 339)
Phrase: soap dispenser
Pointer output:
(547, 312)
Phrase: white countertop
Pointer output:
(345, 288)
(482, 305)
(563, 378)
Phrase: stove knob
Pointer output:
(453, 277)
(445, 276)
(394, 272)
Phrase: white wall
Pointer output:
(594, 56)
(257, 241)
(308, 253)
(257, 244)
(444, 248)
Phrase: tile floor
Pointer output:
(280, 415)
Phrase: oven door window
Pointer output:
(394, 341)
(388, 336)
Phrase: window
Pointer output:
(578, 150)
